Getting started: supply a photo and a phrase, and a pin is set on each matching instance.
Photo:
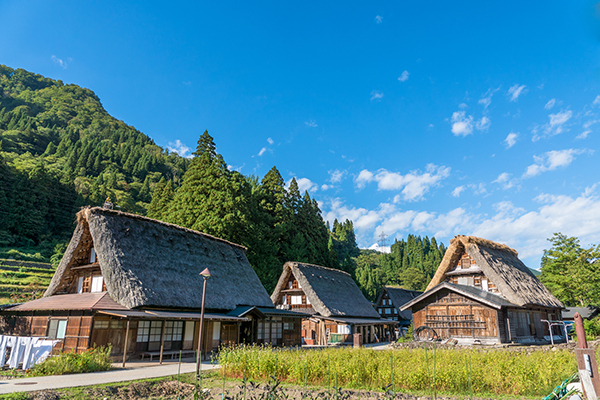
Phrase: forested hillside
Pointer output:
(411, 264)
(60, 150)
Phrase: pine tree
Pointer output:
(211, 198)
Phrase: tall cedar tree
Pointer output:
(161, 199)
(211, 199)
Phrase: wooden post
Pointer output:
(586, 363)
(162, 341)
(126, 342)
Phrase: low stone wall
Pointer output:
(26, 264)
(523, 348)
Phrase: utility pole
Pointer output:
(382, 240)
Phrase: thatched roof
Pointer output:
(149, 263)
(501, 265)
(400, 297)
(331, 292)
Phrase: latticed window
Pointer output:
(155, 331)
(100, 324)
(143, 331)
(465, 263)
(173, 331)
(261, 328)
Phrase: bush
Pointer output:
(92, 360)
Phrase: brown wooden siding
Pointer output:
(454, 316)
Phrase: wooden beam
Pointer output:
(162, 341)
(126, 342)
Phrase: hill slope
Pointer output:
(59, 149)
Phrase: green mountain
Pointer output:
(59, 150)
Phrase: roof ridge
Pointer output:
(88, 209)
(465, 240)
(318, 266)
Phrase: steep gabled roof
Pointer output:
(331, 292)
(471, 292)
(501, 265)
(149, 263)
(400, 297)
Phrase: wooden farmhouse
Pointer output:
(133, 282)
(391, 300)
(336, 306)
(482, 291)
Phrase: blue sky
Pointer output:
(435, 119)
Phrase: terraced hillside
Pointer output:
(23, 281)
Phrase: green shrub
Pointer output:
(92, 360)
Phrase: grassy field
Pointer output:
(23, 281)
(215, 386)
(460, 372)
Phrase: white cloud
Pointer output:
(515, 91)
(586, 126)
(262, 151)
(404, 76)
(457, 191)
(179, 148)
(376, 95)
(326, 187)
(270, 141)
(525, 230)
(558, 119)
(486, 98)
(550, 104)
(511, 139)
(596, 101)
(337, 176)
(555, 126)
(378, 19)
(584, 134)
(60, 62)
(311, 124)
(552, 160)
(305, 184)
(504, 180)
(412, 186)
(363, 178)
(462, 125)
(528, 231)
(483, 124)
(381, 249)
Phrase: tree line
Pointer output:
(276, 223)
(60, 150)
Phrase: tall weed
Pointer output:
(492, 372)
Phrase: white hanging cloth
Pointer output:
(16, 355)
(29, 353)
(41, 350)
(8, 341)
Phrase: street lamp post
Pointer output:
(204, 274)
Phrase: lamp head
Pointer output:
(205, 274)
